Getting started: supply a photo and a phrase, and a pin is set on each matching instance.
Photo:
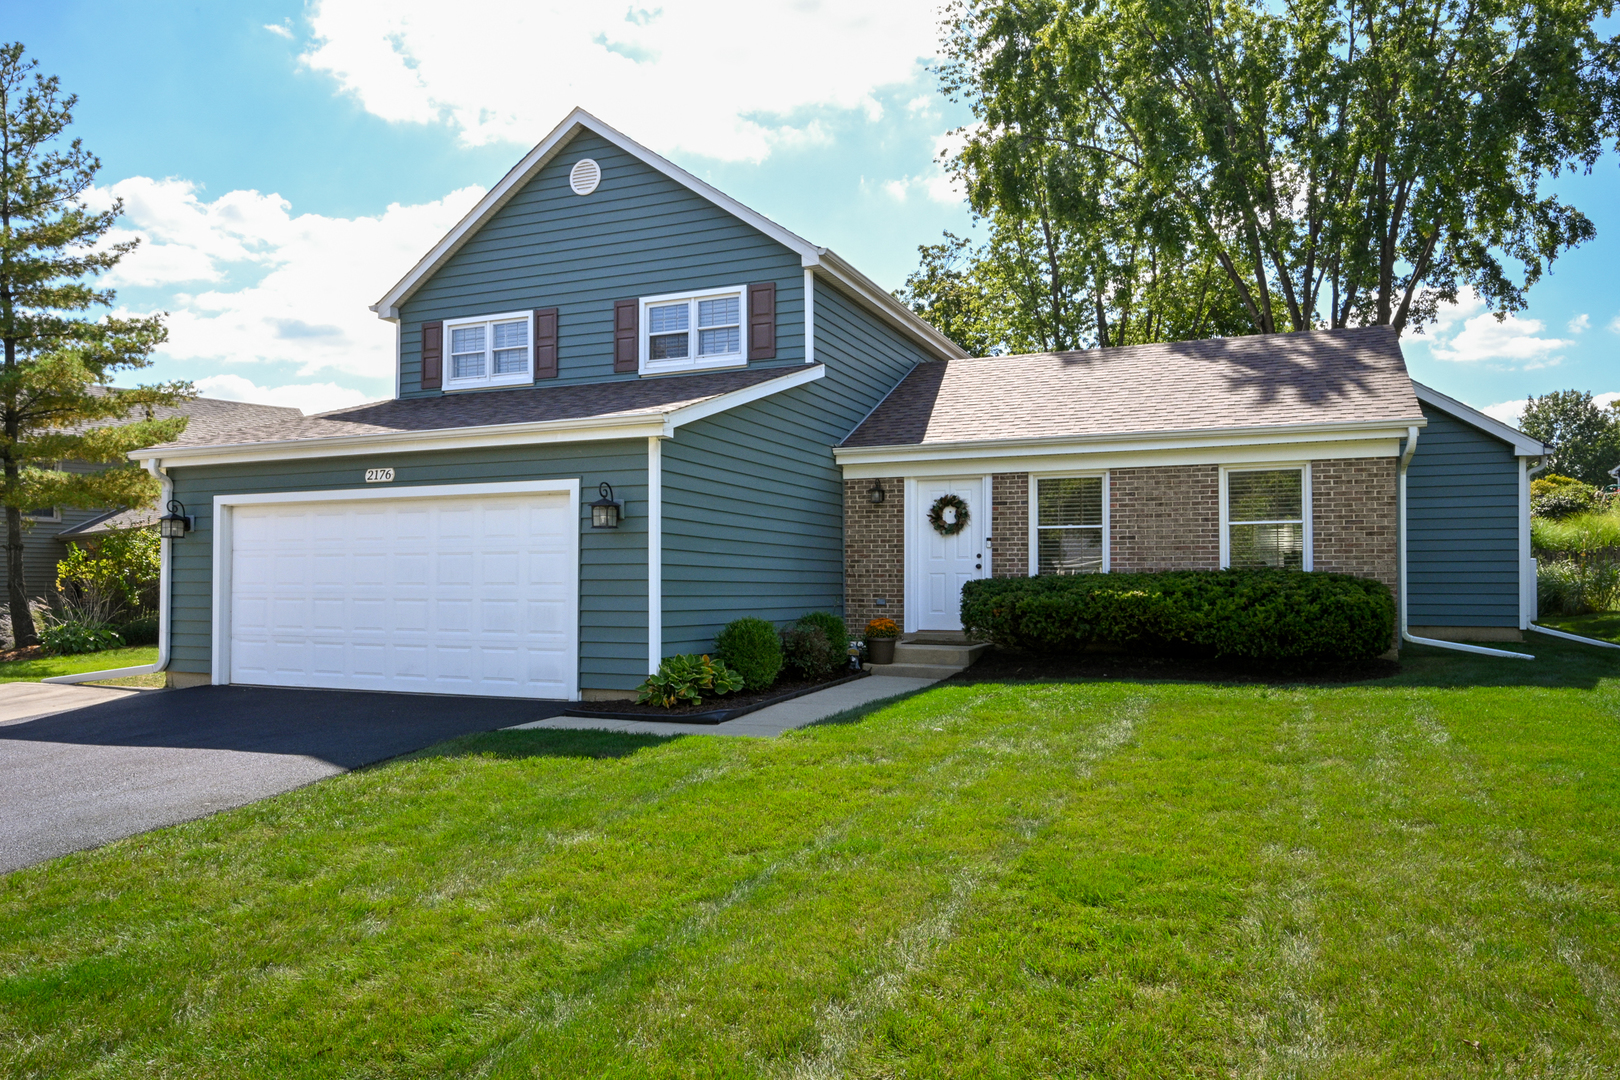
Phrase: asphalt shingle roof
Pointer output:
(1273, 380)
(520, 405)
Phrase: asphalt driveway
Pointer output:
(80, 778)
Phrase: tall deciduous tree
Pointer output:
(55, 403)
(1342, 162)
(1585, 437)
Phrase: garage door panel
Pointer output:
(459, 595)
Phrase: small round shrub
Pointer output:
(752, 649)
(831, 625)
(806, 652)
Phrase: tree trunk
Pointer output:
(23, 633)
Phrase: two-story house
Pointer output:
(773, 427)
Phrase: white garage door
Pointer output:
(456, 595)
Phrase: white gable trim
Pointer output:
(1523, 445)
(809, 254)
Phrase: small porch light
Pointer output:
(876, 492)
(175, 524)
(606, 511)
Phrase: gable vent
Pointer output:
(584, 176)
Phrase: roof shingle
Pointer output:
(1273, 380)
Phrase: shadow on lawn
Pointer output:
(1556, 664)
(546, 742)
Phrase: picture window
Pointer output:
(1069, 525)
(1265, 519)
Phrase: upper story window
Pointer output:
(492, 350)
(1264, 518)
(1070, 535)
(691, 332)
(42, 513)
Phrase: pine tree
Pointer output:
(56, 403)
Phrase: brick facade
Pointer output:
(1165, 518)
(1354, 504)
(1009, 525)
(874, 553)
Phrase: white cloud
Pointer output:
(310, 397)
(1507, 411)
(938, 186)
(1483, 337)
(279, 31)
(722, 78)
(920, 104)
(282, 288)
(1580, 324)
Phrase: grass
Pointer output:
(49, 666)
(1603, 625)
(1415, 877)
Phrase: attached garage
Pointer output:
(463, 589)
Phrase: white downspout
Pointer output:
(1406, 635)
(163, 604)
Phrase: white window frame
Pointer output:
(516, 378)
(1035, 516)
(1307, 509)
(54, 513)
(693, 362)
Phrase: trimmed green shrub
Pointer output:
(752, 649)
(72, 638)
(1249, 614)
(142, 631)
(831, 625)
(806, 652)
(1554, 496)
(686, 679)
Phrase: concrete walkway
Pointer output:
(21, 701)
(762, 723)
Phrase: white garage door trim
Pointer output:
(224, 504)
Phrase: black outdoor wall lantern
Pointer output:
(876, 492)
(606, 511)
(175, 524)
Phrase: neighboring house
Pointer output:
(603, 317)
(47, 531)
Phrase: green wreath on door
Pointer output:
(958, 519)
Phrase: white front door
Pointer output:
(454, 595)
(941, 565)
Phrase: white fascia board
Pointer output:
(554, 431)
(799, 377)
(1080, 461)
(537, 159)
(1130, 442)
(636, 426)
(1523, 445)
(883, 303)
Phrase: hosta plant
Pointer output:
(687, 680)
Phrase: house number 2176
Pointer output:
(379, 476)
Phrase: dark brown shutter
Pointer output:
(626, 339)
(432, 355)
(545, 343)
(762, 321)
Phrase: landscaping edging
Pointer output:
(715, 716)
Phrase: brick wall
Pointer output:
(1355, 509)
(874, 553)
(1009, 525)
(1165, 518)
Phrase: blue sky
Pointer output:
(285, 163)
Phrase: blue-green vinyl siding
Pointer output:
(1462, 520)
(639, 234)
(613, 564)
(753, 501)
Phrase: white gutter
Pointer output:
(156, 470)
(1407, 635)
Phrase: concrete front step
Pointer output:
(935, 672)
(957, 656)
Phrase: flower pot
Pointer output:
(880, 650)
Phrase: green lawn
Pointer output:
(1112, 878)
(34, 670)
(1603, 625)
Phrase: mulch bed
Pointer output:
(1006, 664)
(711, 710)
(33, 652)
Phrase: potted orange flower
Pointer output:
(881, 634)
